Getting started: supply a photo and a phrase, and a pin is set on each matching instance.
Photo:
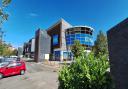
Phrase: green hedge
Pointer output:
(87, 72)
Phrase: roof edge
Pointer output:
(58, 22)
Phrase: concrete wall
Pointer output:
(118, 54)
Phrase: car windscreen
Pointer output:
(3, 64)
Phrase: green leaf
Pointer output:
(5, 2)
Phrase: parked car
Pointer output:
(1, 57)
(1, 60)
(12, 68)
(13, 56)
(10, 59)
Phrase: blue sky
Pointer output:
(26, 16)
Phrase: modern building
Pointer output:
(62, 36)
(58, 39)
(29, 48)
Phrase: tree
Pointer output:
(1, 48)
(3, 14)
(77, 49)
(14, 52)
(3, 17)
(101, 45)
(6, 50)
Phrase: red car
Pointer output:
(12, 68)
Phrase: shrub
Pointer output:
(87, 72)
(77, 49)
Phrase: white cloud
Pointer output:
(33, 14)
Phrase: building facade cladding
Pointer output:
(118, 54)
(81, 33)
(42, 46)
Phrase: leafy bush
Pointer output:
(87, 72)
(77, 49)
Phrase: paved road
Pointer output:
(37, 76)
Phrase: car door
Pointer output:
(18, 67)
(10, 69)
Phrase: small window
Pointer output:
(83, 31)
(18, 64)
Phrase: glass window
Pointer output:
(83, 35)
(83, 32)
(68, 42)
(12, 65)
(72, 36)
(77, 35)
(82, 42)
(77, 32)
(77, 39)
(87, 39)
(72, 32)
(89, 43)
(55, 39)
(72, 39)
(82, 38)
(67, 38)
(18, 64)
(86, 43)
(72, 42)
(87, 29)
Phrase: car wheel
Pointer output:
(22, 72)
(1, 76)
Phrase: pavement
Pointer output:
(37, 76)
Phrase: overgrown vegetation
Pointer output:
(101, 45)
(86, 72)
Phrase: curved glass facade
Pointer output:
(83, 34)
